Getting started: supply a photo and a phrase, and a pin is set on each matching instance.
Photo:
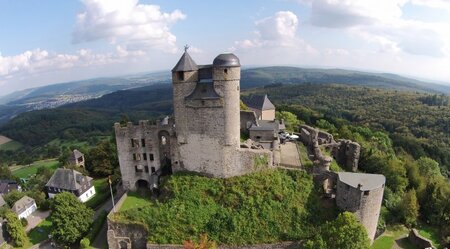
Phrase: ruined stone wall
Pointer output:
(324, 137)
(122, 235)
(416, 239)
(282, 245)
(142, 152)
(347, 154)
(249, 160)
(308, 135)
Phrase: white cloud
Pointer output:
(349, 13)
(436, 4)
(37, 61)
(134, 26)
(277, 31)
(381, 22)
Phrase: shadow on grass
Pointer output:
(405, 244)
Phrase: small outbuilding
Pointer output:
(76, 158)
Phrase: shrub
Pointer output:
(24, 222)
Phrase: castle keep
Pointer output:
(204, 134)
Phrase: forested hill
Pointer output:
(417, 123)
(73, 92)
(293, 75)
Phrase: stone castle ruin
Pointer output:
(204, 134)
(361, 194)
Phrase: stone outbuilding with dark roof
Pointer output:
(76, 158)
(24, 207)
(69, 180)
(262, 106)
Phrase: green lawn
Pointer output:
(383, 242)
(27, 171)
(11, 146)
(387, 239)
(135, 200)
(41, 232)
(429, 233)
(304, 159)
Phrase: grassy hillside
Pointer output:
(258, 208)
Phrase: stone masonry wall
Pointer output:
(125, 235)
(416, 239)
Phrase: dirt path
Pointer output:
(4, 140)
(289, 155)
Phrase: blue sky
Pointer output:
(50, 41)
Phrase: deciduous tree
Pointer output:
(15, 229)
(71, 218)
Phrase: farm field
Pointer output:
(25, 171)
(6, 144)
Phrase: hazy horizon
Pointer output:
(56, 42)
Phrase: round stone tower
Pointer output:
(226, 77)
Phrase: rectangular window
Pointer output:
(153, 169)
(132, 143)
(180, 76)
(366, 192)
(143, 142)
(146, 169)
(151, 157)
(144, 155)
(136, 157)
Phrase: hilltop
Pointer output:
(73, 92)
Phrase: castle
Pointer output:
(204, 134)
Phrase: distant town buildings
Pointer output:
(69, 180)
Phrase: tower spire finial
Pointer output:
(186, 47)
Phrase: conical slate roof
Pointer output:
(259, 102)
(186, 63)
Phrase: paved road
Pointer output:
(101, 240)
(35, 218)
(289, 155)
